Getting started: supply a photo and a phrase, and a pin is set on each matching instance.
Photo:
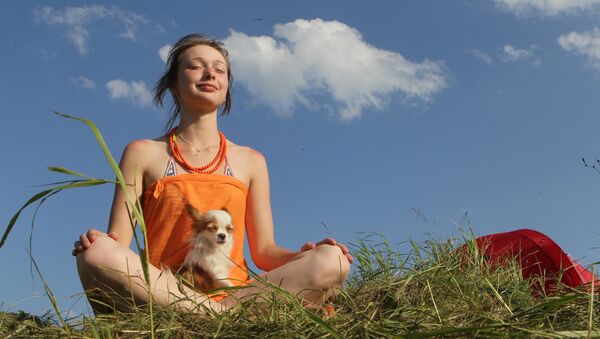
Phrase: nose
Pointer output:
(208, 75)
(222, 236)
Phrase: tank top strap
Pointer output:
(172, 165)
(171, 169)
(228, 170)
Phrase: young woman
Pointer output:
(194, 163)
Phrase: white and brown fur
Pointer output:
(210, 246)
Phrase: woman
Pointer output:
(195, 164)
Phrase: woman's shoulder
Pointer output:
(248, 163)
(145, 150)
(146, 145)
(244, 153)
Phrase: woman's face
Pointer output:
(202, 82)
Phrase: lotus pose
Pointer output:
(195, 164)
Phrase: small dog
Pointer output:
(210, 247)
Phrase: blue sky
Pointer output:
(393, 117)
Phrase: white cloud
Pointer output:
(308, 60)
(135, 92)
(76, 20)
(545, 7)
(510, 53)
(486, 58)
(585, 43)
(84, 82)
(163, 52)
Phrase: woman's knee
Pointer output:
(330, 265)
(98, 268)
(103, 254)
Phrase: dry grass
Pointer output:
(434, 290)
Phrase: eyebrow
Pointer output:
(213, 62)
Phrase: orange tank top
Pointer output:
(169, 227)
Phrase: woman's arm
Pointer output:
(259, 221)
(120, 221)
(132, 166)
(266, 254)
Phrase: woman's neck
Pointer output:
(199, 129)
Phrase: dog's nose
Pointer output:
(222, 236)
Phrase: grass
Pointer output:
(436, 289)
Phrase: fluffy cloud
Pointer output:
(308, 60)
(77, 19)
(508, 53)
(545, 7)
(163, 52)
(585, 43)
(134, 92)
(483, 56)
(511, 53)
(82, 81)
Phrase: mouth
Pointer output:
(221, 241)
(207, 87)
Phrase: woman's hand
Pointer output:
(86, 239)
(328, 241)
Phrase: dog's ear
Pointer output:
(225, 209)
(194, 213)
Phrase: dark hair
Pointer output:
(169, 78)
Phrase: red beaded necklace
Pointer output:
(211, 167)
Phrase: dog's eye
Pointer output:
(229, 228)
(211, 227)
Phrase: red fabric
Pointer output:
(538, 255)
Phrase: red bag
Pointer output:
(538, 255)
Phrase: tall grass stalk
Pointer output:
(132, 203)
(52, 298)
(591, 308)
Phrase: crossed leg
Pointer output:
(113, 269)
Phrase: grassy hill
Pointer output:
(434, 290)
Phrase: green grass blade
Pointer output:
(144, 257)
(591, 308)
(117, 171)
(43, 194)
(437, 312)
(322, 323)
(547, 306)
(450, 331)
(52, 298)
(40, 203)
(498, 296)
(13, 220)
(63, 170)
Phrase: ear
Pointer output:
(225, 210)
(194, 213)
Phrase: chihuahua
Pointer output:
(210, 246)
